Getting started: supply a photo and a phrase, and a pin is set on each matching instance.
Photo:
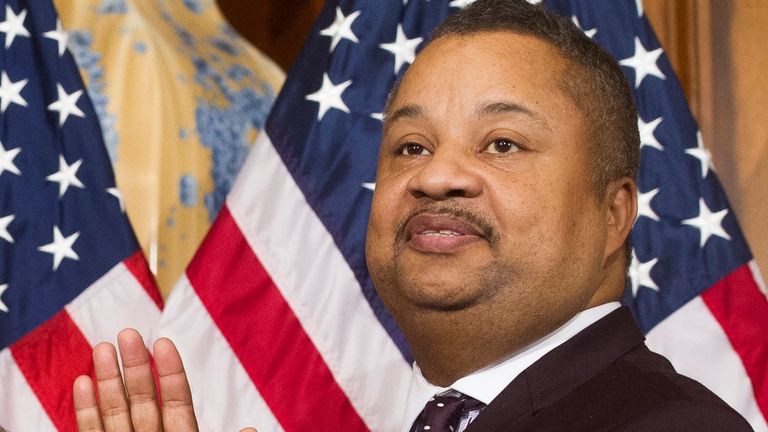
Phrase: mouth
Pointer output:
(441, 233)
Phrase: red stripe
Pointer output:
(742, 311)
(266, 336)
(51, 357)
(137, 265)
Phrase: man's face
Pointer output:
(483, 199)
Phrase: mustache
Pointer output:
(453, 209)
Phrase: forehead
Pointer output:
(483, 65)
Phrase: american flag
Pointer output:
(71, 272)
(277, 319)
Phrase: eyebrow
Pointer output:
(405, 111)
(483, 110)
(501, 108)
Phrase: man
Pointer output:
(498, 239)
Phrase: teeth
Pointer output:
(440, 233)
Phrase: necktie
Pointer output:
(450, 411)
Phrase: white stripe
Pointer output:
(225, 399)
(301, 257)
(20, 410)
(115, 301)
(692, 339)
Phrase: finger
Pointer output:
(139, 381)
(178, 412)
(86, 408)
(248, 429)
(115, 414)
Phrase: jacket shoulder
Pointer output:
(641, 391)
(687, 416)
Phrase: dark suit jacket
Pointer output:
(606, 379)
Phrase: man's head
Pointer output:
(489, 224)
(594, 80)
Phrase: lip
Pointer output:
(440, 233)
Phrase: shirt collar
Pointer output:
(485, 384)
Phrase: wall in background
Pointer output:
(277, 27)
(718, 50)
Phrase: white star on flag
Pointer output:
(702, 154)
(60, 36)
(643, 62)
(10, 92)
(341, 28)
(329, 96)
(116, 193)
(6, 160)
(369, 186)
(590, 33)
(13, 25)
(647, 130)
(4, 222)
(377, 116)
(403, 48)
(67, 104)
(66, 176)
(639, 6)
(708, 223)
(3, 306)
(640, 274)
(61, 247)
(644, 205)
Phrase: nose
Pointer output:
(444, 176)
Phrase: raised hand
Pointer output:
(129, 400)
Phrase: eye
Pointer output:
(502, 145)
(413, 149)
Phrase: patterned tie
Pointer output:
(450, 411)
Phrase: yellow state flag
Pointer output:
(180, 98)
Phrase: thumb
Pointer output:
(248, 429)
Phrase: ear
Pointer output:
(621, 211)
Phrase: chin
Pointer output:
(417, 283)
(443, 292)
(445, 305)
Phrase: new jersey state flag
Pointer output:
(71, 272)
(277, 319)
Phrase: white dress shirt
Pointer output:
(485, 384)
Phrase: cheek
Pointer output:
(521, 207)
(386, 213)
(545, 220)
(391, 195)
(377, 224)
(579, 234)
(376, 249)
(384, 206)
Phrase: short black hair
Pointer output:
(594, 80)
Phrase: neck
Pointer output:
(446, 348)
(449, 345)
